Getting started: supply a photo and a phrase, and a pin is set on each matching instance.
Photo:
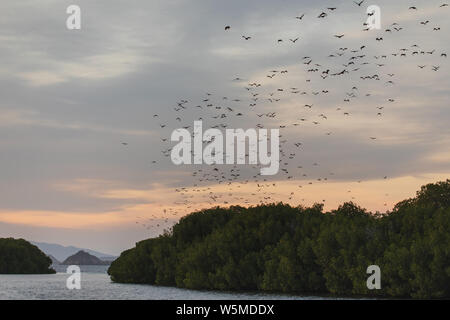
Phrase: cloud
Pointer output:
(93, 68)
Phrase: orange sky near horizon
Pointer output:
(157, 204)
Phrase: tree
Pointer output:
(278, 248)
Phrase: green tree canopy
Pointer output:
(18, 256)
(278, 248)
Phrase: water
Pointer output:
(96, 285)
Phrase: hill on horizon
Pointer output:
(61, 252)
(83, 258)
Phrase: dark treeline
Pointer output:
(279, 248)
(18, 256)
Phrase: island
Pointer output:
(84, 258)
(18, 256)
(303, 250)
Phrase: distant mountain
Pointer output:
(61, 253)
(83, 258)
(109, 259)
(54, 260)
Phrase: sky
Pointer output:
(86, 115)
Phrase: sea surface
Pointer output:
(96, 285)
